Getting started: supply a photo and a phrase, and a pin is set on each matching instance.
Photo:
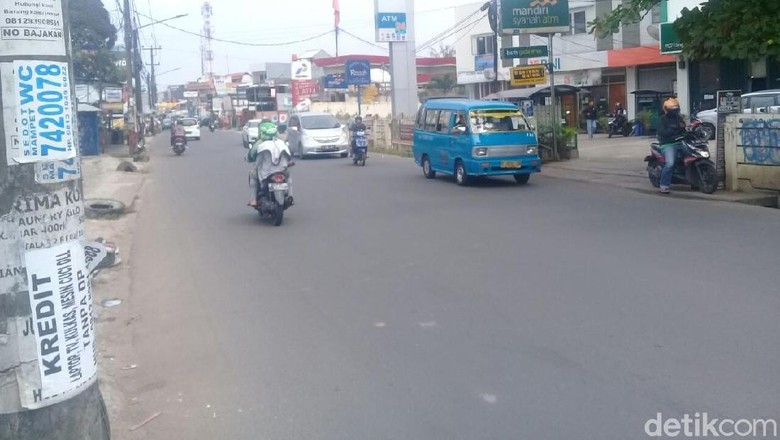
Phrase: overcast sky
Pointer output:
(268, 21)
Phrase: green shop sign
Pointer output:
(670, 43)
(524, 52)
(534, 16)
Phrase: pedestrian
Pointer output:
(591, 116)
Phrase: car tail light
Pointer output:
(279, 178)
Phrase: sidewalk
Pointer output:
(619, 161)
(111, 291)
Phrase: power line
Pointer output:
(243, 43)
(438, 37)
(452, 32)
(363, 40)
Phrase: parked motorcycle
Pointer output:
(361, 148)
(273, 196)
(692, 167)
(619, 124)
(179, 145)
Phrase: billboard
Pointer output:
(358, 72)
(535, 16)
(300, 70)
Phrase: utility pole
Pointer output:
(153, 81)
(130, 117)
(139, 96)
(48, 358)
(556, 119)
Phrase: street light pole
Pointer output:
(130, 116)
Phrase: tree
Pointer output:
(735, 29)
(443, 84)
(443, 51)
(93, 36)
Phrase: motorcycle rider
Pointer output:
(670, 127)
(268, 155)
(178, 131)
(358, 125)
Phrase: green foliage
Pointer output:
(735, 29)
(445, 83)
(92, 37)
(443, 51)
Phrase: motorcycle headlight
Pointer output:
(705, 153)
(532, 150)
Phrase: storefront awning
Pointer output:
(637, 56)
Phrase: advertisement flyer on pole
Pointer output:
(32, 27)
(42, 128)
(61, 323)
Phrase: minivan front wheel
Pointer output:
(427, 168)
(461, 178)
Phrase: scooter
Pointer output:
(618, 124)
(692, 167)
(273, 196)
(212, 126)
(361, 148)
(179, 145)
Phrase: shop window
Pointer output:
(579, 23)
(482, 44)
(655, 13)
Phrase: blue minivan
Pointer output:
(469, 138)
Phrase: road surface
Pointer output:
(388, 306)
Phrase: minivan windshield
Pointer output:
(319, 122)
(498, 120)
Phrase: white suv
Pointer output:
(765, 101)
(191, 128)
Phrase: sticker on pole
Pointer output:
(44, 112)
(59, 171)
(61, 323)
(31, 27)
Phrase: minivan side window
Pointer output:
(431, 116)
(443, 125)
(419, 121)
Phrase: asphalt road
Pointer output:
(388, 306)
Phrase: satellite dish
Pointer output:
(654, 32)
(489, 74)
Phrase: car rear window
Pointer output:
(253, 124)
(189, 122)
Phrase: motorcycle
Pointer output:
(179, 145)
(361, 149)
(693, 166)
(212, 126)
(618, 124)
(273, 196)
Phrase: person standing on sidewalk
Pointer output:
(591, 116)
(670, 127)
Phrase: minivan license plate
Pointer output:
(511, 164)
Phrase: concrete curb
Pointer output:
(642, 185)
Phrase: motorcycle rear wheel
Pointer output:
(278, 215)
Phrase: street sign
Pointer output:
(729, 102)
(390, 27)
(335, 81)
(529, 75)
(524, 52)
(670, 42)
(534, 16)
(358, 72)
